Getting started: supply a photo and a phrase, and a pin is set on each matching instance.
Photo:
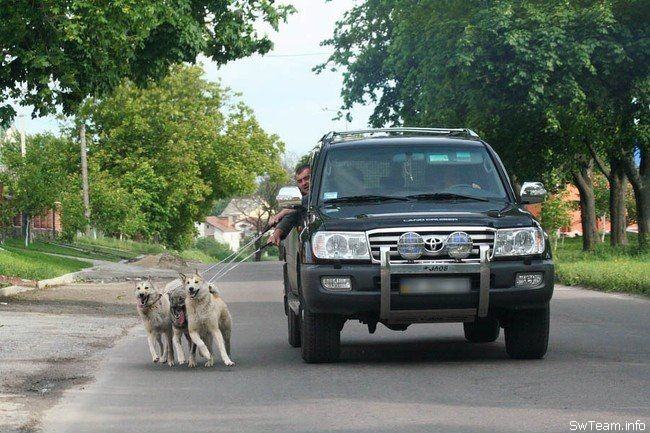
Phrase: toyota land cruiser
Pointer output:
(415, 225)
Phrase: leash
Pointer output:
(217, 276)
(234, 255)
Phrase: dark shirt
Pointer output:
(292, 220)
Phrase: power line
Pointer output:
(297, 54)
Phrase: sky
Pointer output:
(287, 97)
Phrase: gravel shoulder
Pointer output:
(53, 339)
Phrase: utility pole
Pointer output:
(23, 153)
(84, 175)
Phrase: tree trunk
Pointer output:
(25, 222)
(642, 198)
(258, 253)
(640, 179)
(84, 176)
(582, 179)
(617, 211)
(617, 188)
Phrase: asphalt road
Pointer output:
(423, 380)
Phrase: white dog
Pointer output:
(208, 318)
(153, 308)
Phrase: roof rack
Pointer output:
(340, 136)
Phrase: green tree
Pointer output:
(527, 75)
(305, 159)
(59, 52)
(219, 206)
(34, 181)
(175, 147)
(7, 213)
(555, 214)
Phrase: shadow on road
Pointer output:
(421, 351)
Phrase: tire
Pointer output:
(527, 334)
(483, 330)
(293, 325)
(321, 337)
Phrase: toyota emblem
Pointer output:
(434, 244)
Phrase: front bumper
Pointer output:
(375, 291)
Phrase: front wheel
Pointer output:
(321, 337)
(293, 324)
(483, 330)
(527, 334)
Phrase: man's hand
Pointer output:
(276, 237)
(278, 216)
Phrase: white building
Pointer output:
(220, 230)
(243, 214)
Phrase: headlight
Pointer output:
(459, 245)
(519, 242)
(340, 245)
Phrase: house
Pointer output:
(220, 229)
(244, 214)
(46, 225)
(575, 227)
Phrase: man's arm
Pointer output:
(279, 216)
(288, 223)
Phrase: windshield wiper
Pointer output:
(444, 196)
(364, 198)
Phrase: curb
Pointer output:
(43, 284)
(58, 281)
(14, 290)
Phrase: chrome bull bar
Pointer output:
(387, 269)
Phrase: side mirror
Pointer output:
(532, 192)
(289, 196)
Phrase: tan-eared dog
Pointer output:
(208, 319)
(153, 308)
(177, 298)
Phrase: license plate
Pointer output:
(437, 285)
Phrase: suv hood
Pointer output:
(365, 216)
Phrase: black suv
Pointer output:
(415, 225)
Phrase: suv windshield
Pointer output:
(433, 172)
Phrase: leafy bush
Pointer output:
(196, 255)
(212, 248)
(555, 214)
(271, 253)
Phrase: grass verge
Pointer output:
(133, 248)
(197, 255)
(53, 248)
(609, 269)
(34, 265)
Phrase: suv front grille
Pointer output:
(433, 236)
